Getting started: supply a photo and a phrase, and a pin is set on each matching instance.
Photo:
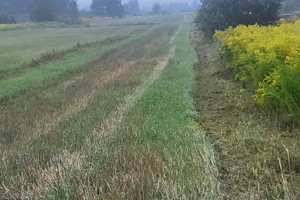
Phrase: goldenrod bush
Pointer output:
(267, 58)
(28, 25)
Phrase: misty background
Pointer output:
(144, 4)
(71, 11)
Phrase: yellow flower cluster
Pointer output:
(28, 25)
(8, 26)
(268, 58)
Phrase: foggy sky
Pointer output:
(144, 4)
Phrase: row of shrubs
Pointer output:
(266, 59)
(6, 20)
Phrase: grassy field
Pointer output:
(103, 111)
(129, 109)
(22, 46)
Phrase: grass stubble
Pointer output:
(259, 154)
(121, 128)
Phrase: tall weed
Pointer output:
(267, 59)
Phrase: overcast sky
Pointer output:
(143, 3)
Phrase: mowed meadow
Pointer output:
(102, 111)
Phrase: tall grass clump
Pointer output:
(267, 59)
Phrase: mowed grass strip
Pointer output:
(56, 164)
(51, 70)
(54, 55)
(41, 107)
(45, 165)
(156, 152)
(23, 46)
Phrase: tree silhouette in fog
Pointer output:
(156, 8)
(290, 6)
(12, 7)
(132, 7)
(41, 10)
(53, 10)
(110, 8)
(220, 14)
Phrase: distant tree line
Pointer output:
(5, 20)
(132, 7)
(42, 10)
(114, 8)
(54, 10)
(220, 14)
(180, 6)
(156, 9)
(290, 6)
(63, 10)
(109, 8)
